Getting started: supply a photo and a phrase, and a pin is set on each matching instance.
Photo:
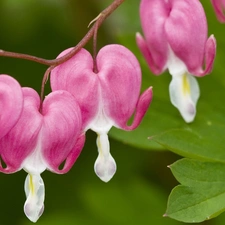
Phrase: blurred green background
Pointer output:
(138, 192)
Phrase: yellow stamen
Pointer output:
(186, 86)
(99, 145)
(31, 185)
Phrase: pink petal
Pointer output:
(210, 54)
(60, 130)
(114, 90)
(22, 138)
(73, 155)
(186, 32)
(153, 15)
(120, 84)
(141, 43)
(11, 103)
(77, 77)
(50, 135)
(219, 7)
(141, 108)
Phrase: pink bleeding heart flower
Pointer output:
(219, 7)
(11, 103)
(175, 34)
(106, 98)
(42, 140)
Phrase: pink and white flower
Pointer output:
(106, 98)
(44, 137)
(175, 34)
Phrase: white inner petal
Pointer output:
(101, 124)
(184, 90)
(175, 66)
(35, 193)
(184, 94)
(105, 165)
(34, 163)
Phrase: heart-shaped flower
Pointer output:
(106, 98)
(44, 137)
(175, 34)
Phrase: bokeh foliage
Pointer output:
(138, 193)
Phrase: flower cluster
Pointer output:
(36, 135)
(101, 92)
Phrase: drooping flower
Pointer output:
(42, 140)
(11, 103)
(106, 98)
(175, 34)
(219, 7)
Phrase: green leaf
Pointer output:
(205, 144)
(201, 195)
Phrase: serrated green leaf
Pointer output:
(201, 195)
